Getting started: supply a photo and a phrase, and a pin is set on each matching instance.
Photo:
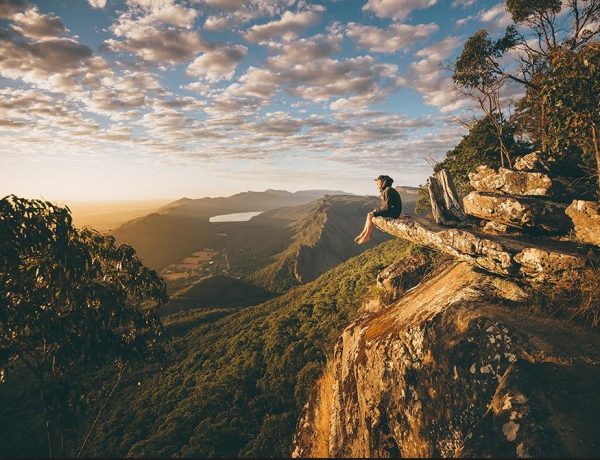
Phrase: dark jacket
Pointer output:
(391, 204)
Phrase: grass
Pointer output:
(575, 296)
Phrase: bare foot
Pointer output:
(364, 239)
(358, 237)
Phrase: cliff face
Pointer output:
(455, 368)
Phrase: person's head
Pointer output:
(384, 181)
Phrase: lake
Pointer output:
(235, 217)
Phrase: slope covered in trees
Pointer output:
(234, 386)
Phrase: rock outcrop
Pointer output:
(586, 220)
(532, 196)
(513, 182)
(397, 278)
(534, 259)
(535, 162)
(454, 368)
(457, 365)
(518, 211)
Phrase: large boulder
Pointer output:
(563, 164)
(537, 260)
(586, 220)
(536, 162)
(518, 211)
(456, 368)
(397, 278)
(487, 179)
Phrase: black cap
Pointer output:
(384, 178)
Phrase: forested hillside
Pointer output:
(230, 387)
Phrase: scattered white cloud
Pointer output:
(298, 94)
(164, 46)
(463, 21)
(219, 64)
(97, 3)
(496, 16)
(395, 37)
(288, 27)
(463, 3)
(396, 9)
(428, 76)
(32, 24)
(157, 31)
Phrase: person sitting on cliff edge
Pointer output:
(391, 206)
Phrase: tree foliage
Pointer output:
(70, 299)
(234, 386)
(551, 50)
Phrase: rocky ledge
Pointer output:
(534, 259)
(455, 368)
(518, 211)
(586, 220)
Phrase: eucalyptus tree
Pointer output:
(71, 300)
(543, 34)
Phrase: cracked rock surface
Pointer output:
(586, 220)
(518, 211)
(534, 259)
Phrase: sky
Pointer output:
(161, 99)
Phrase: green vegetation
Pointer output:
(323, 236)
(70, 301)
(552, 53)
(216, 291)
(233, 387)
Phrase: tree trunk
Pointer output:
(46, 420)
(99, 414)
(596, 155)
(543, 124)
(436, 200)
(445, 204)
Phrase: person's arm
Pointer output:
(385, 204)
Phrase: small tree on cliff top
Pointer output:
(536, 52)
(69, 299)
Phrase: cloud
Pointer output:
(304, 50)
(463, 21)
(42, 114)
(463, 3)
(390, 40)
(9, 8)
(428, 77)
(97, 3)
(158, 31)
(219, 22)
(218, 64)
(396, 9)
(288, 27)
(497, 16)
(305, 69)
(165, 46)
(231, 13)
(54, 63)
(32, 24)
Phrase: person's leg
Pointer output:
(364, 230)
(366, 236)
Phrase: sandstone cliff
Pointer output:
(455, 362)
(456, 367)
